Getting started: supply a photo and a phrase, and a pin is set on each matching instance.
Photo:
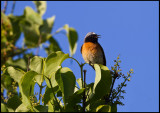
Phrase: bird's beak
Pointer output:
(98, 36)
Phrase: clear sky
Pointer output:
(128, 28)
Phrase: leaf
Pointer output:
(15, 26)
(26, 86)
(94, 105)
(52, 79)
(49, 94)
(53, 62)
(6, 80)
(79, 81)
(114, 107)
(53, 47)
(22, 108)
(3, 108)
(41, 108)
(14, 102)
(19, 63)
(76, 97)
(31, 15)
(72, 38)
(66, 81)
(36, 64)
(47, 25)
(41, 7)
(103, 81)
(103, 108)
(15, 74)
(30, 26)
(31, 33)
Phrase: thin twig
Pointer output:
(84, 96)
(5, 6)
(39, 41)
(28, 63)
(13, 6)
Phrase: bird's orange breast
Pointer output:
(92, 52)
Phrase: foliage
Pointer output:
(61, 94)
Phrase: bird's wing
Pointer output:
(104, 58)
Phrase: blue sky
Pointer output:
(128, 28)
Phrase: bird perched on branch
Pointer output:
(92, 51)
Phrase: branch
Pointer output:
(13, 6)
(84, 96)
(5, 6)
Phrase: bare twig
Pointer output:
(5, 6)
(28, 63)
(39, 41)
(13, 6)
(84, 96)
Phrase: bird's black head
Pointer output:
(91, 37)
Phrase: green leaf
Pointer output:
(15, 74)
(53, 47)
(22, 108)
(14, 102)
(6, 80)
(41, 108)
(72, 38)
(31, 15)
(31, 33)
(3, 108)
(114, 107)
(15, 26)
(79, 81)
(41, 7)
(30, 26)
(47, 25)
(19, 63)
(26, 86)
(53, 62)
(49, 94)
(66, 81)
(75, 98)
(93, 106)
(36, 64)
(103, 108)
(52, 79)
(103, 81)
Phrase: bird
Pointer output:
(92, 52)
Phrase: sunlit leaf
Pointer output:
(3, 108)
(19, 63)
(79, 81)
(103, 108)
(41, 7)
(26, 86)
(72, 38)
(66, 81)
(103, 81)
(53, 62)
(22, 108)
(33, 16)
(47, 25)
(36, 64)
(15, 74)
